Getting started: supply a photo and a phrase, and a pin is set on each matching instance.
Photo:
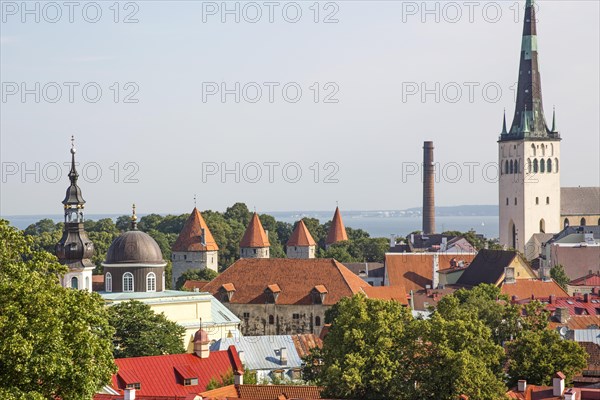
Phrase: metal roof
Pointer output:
(262, 352)
(587, 335)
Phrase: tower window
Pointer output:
(566, 223)
(506, 167)
(128, 282)
(549, 166)
(271, 320)
(547, 200)
(317, 321)
(582, 222)
(507, 201)
(535, 166)
(515, 201)
(529, 165)
(151, 282)
(542, 226)
(74, 283)
(537, 201)
(512, 170)
(542, 166)
(108, 282)
(556, 165)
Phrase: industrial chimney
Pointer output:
(428, 192)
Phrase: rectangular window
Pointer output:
(295, 316)
(246, 315)
(136, 386)
(190, 382)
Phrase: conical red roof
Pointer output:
(301, 236)
(189, 238)
(255, 235)
(337, 231)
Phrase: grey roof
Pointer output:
(376, 269)
(134, 247)
(262, 352)
(587, 335)
(580, 201)
(487, 267)
(573, 230)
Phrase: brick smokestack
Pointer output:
(428, 189)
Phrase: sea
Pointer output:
(377, 223)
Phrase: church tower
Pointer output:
(255, 242)
(528, 155)
(75, 249)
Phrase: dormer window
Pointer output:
(227, 290)
(190, 382)
(136, 386)
(272, 293)
(509, 275)
(318, 294)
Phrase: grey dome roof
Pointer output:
(134, 247)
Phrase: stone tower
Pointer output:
(337, 230)
(528, 155)
(301, 244)
(195, 247)
(75, 249)
(255, 243)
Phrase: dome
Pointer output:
(134, 247)
(201, 336)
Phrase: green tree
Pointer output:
(536, 355)
(560, 276)
(204, 274)
(55, 342)
(139, 331)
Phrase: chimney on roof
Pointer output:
(412, 299)
(283, 356)
(571, 394)
(586, 298)
(561, 314)
(428, 189)
(552, 299)
(129, 394)
(558, 384)
(201, 343)
(522, 385)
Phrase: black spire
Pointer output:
(529, 120)
(73, 196)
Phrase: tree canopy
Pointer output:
(55, 342)
(139, 331)
(195, 275)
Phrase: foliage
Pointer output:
(55, 342)
(560, 276)
(224, 380)
(139, 331)
(204, 274)
(536, 355)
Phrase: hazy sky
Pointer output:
(367, 72)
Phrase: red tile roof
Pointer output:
(587, 280)
(296, 279)
(190, 237)
(301, 236)
(386, 293)
(162, 375)
(525, 288)
(534, 392)
(305, 342)
(102, 396)
(414, 271)
(264, 392)
(337, 231)
(577, 322)
(255, 235)
(97, 283)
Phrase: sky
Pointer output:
(281, 105)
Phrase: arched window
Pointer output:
(543, 150)
(317, 321)
(513, 234)
(542, 226)
(128, 282)
(566, 223)
(542, 166)
(271, 320)
(515, 201)
(537, 201)
(506, 167)
(512, 168)
(108, 282)
(551, 149)
(517, 170)
(582, 222)
(598, 221)
(535, 166)
(74, 283)
(533, 150)
(87, 283)
(549, 166)
(529, 165)
(151, 282)
(547, 200)
(507, 201)
(556, 165)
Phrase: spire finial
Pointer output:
(133, 218)
(195, 201)
(504, 132)
(72, 144)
